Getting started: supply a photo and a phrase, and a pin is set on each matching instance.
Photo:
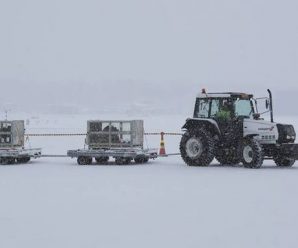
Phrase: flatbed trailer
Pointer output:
(121, 155)
(18, 155)
(119, 139)
(12, 143)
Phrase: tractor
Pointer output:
(228, 127)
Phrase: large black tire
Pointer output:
(197, 147)
(82, 160)
(232, 158)
(251, 153)
(284, 162)
(102, 160)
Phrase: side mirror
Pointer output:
(267, 103)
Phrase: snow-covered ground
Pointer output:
(56, 203)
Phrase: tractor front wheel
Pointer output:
(284, 162)
(252, 153)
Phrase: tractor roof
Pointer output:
(225, 95)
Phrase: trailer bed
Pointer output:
(121, 155)
(18, 155)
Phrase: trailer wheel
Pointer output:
(8, 160)
(284, 162)
(27, 159)
(252, 153)
(82, 160)
(3, 161)
(23, 160)
(141, 159)
(11, 160)
(102, 160)
(122, 161)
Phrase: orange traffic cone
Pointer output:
(162, 150)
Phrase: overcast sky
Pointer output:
(91, 51)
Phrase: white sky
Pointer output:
(81, 46)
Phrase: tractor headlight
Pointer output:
(291, 137)
(286, 133)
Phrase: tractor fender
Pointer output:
(210, 124)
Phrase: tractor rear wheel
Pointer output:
(284, 162)
(197, 147)
(252, 153)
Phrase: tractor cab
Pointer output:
(224, 106)
(228, 110)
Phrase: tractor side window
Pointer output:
(214, 108)
(202, 108)
(243, 108)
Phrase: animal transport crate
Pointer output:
(110, 134)
(121, 140)
(12, 134)
(12, 142)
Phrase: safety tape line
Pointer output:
(163, 133)
(55, 134)
(84, 134)
(65, 156)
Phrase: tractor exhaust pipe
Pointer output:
(271, 105)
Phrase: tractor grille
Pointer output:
(286, 133)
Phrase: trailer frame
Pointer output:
(18, 155)
(121, 155)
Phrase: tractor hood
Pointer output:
(269, 133)
(264, 131)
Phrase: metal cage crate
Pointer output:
(12, 134)
(110, 134)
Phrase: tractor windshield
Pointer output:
(202, 108)
(243, 108)
(214, 107)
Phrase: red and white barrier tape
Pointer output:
(84, 134)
